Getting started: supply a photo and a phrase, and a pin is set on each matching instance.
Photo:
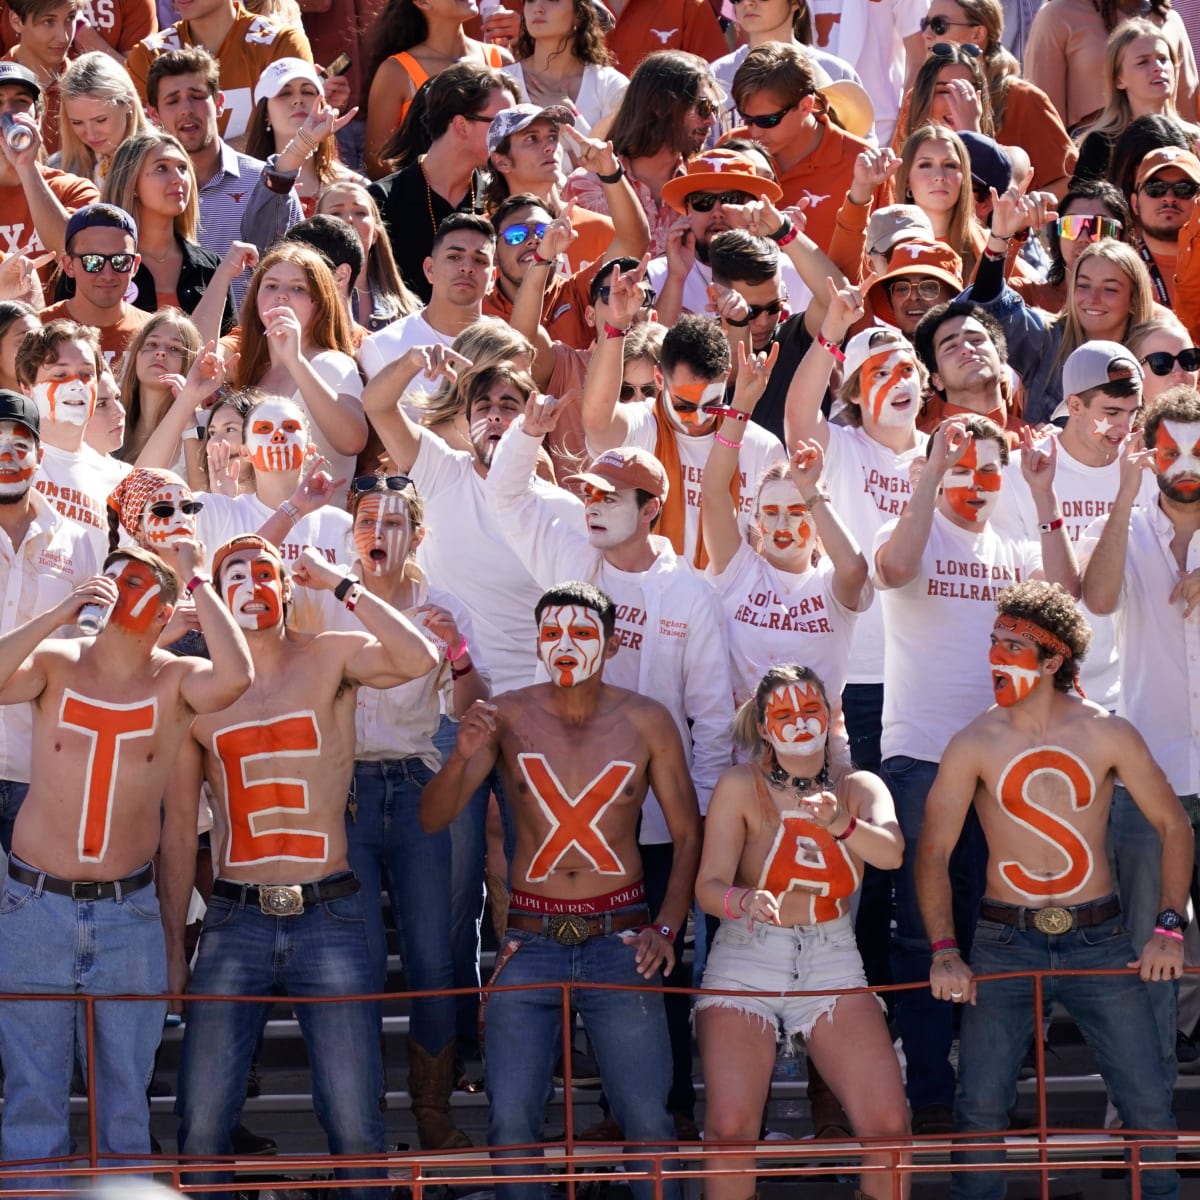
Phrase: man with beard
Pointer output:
(1145, 568)
(1163, 197)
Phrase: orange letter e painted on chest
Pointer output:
(250, 804)
(105, 726)
(805, 857)
(573, 818)
(1011, 794)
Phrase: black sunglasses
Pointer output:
(1162, 362)
(952, 49)
(164, 509)
(1181, 189)
(93, 264)
(645, 391)
(939, 26)
(373, 483)
(706, 108)
(703, 202)
(772, 308)
(649, 295)
(767, 120)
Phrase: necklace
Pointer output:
(800, 783)
(429, 194)
(158, 258)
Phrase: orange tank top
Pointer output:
(419, 75)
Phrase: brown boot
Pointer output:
(430, 1082)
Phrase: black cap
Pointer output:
(13, 72)
(990, 163)
(103, 216)
(17, 407)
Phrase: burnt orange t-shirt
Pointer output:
(648, 25)
(114, 339)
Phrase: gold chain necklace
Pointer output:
(429, 194)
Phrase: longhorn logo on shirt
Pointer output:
(1012, 793)
(804, 857)
(664, 35)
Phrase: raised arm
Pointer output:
(872, 169)
(1105, 570)
(631, 229)
(206, 375)
(530, 301)
(466, 767)
(1058, 552)
(49, 215)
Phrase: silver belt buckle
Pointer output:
(568, 929)
(1053, 920)
(281, 899)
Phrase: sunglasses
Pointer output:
(1094, 227)
(164, 509)
(1181, 189)
(953, 49)
(1161, 362)
(939, 26)
(649, 295)
(515, 235)
(372, 483)
(767, 120)
(706, 108)
(93, 264)
(703, 202)
(771, 308)
(927, 289)
(645, 391)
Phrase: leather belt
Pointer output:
(573, 929)
(85, 889)
(1052, 919)
(286, 899)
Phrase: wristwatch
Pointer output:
(1171, 918)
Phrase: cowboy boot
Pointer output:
(430, 1082)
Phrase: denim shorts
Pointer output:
(771, 959)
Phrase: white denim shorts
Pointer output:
(771, 959)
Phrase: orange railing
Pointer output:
(687, 1162)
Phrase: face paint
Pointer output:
(67, 401)
(158, 531)
(1177, 459)
(277, 437)
(786, 524)
(892, 388)
(1101, 426)
(805, 858)
(18, 459)
(253, 591)
(1015, 673)
(694, 421)
(612, 517)
(796, 719)
(570, 643)
(137, 595)
(972, 491)
(382, 533)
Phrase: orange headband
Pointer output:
(1043, 637)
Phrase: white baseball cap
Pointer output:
(283, 71)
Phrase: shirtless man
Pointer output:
(577, 757)
(285, 913)
(1039, 768)
(109, 716)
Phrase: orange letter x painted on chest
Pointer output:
(573, 819)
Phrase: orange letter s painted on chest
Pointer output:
(249, 804)
(807, 858)
(1013, 800)
(105, 726)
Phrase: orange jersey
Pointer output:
(251, 45)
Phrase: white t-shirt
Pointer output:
(869, 485)
(600, 93)
(396, 339)
(760, 448)
(340, 372)
(936, 672)
(465, 553)
(77, 483)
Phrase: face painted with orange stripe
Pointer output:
(18, 458)
(972, 485)
(67, 401)
(382, 532)
(796, 719)
(695, 398)
(570, 643)
(786, 525)
(891, 388)
(159, 531)
(1016, 668)
(1177, 459)
(277, 438)
(253, 589)
(138, 595)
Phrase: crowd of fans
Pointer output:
(636, 469)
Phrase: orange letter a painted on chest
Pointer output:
(805, 857)
(105, 726)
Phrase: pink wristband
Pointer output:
(724, 441)
(725, 904)
(458, 651)
(1171, 933)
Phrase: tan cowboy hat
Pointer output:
(848, 99)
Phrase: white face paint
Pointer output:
(612, 517)
(891, 387)
(137, 595)
(570, 643)
(1177, 457)
(67, 401)
(972, 485)
(382, 533)
(166, 529)
(277, 437)
(786, 524)
(694, 422)
(1101, 425)
(253, 590)
(18, 459)
(796, 719)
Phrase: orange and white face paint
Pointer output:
(138, 592)
(1177, 458)
(972, 485)
(252, 587)
(891, 388)
(67, 401)
(161, 528)
(382, 532)
(686, 404)
(277, 437)
(786, 524)
(570, 643)
(796, 719)
(1015, 672)
(18, 459)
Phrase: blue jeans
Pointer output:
(320, 952)
(1113, 1013)
(926, 1025)
(51, 943)
(468, 897)
(386, 841)
(524, 1037)
(12, 796)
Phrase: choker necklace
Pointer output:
(800, 783)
